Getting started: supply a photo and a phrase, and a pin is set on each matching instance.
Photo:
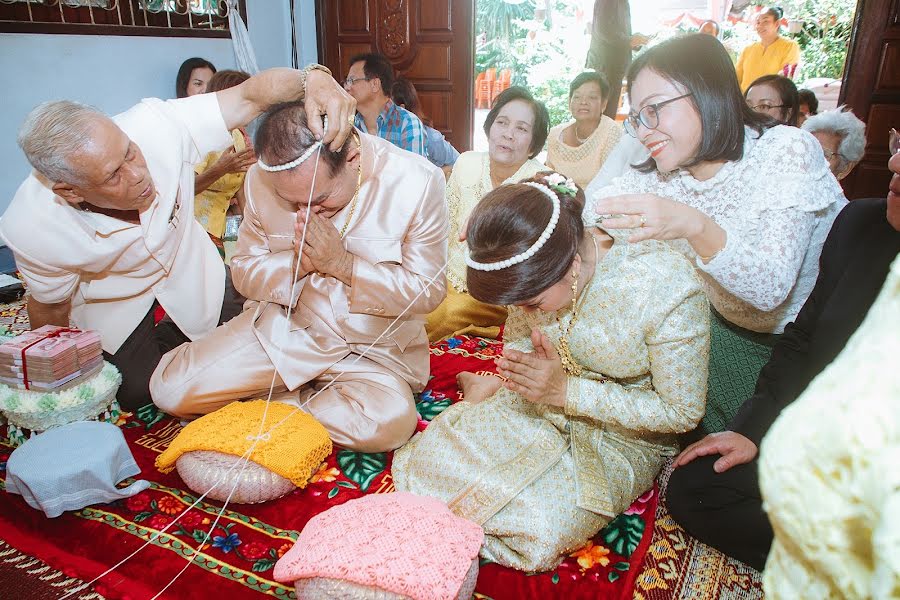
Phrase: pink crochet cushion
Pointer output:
(402, 543)
(319, 588)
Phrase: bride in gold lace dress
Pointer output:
(605, 359)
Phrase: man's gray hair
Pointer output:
(841, 122)
(52, 133)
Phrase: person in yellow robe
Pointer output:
(605, 360)
(220, 176)
(771, 54)
(516, 128)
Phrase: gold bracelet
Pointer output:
(305, 71)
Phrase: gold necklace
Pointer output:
(570, 365)
(579, 138)
(356, 193)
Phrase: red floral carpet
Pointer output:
(248, 540)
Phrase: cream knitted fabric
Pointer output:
(402, 543)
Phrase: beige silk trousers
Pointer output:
(367, 409)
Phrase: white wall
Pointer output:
(114, 72)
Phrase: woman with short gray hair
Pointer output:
(843, 138)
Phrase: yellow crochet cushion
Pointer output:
(293, 450)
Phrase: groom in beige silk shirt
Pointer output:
(374, 251)
(103, 229)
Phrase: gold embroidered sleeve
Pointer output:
(517, 332)
(674, 397)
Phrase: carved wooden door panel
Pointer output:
(429, 42)
(871, 88)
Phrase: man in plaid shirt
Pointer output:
(369, 81)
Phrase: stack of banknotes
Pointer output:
(54, 358)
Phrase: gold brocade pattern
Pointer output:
(541, 480)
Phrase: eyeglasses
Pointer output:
(647, 116)
(829, 154)
(348, 83)
(894, 142)
(764, 106)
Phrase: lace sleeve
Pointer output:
(769, 239)
(761, 270)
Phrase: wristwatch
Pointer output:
(311, 67)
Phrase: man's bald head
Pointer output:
(284, 135)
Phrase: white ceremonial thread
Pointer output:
(297, 161)
(359, 357)
(243, 460)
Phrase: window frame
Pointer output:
(10, 26)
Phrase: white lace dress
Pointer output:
(776, 205)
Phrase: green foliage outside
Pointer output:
(498, 19)
(547, 60)
(825, 37)
(544, 63)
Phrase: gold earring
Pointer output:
(574, 287)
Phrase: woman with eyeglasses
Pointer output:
(748, 201)
(776, 96)
(843, 138)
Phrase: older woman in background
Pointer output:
(193, 77)
(776, 96)
(843, 138)
(516, 128)
(579, 148)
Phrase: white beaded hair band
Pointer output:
(297, 161)
(537, 245)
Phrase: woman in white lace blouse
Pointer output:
(750, 202)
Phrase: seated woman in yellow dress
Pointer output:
(219, 179)
(605, 361)
(579, 147)
(516, 128)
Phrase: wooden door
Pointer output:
(429, 42)
(871, 88)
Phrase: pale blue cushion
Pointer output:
(73, 466)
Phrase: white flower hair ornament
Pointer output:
(537, 245)
(297, 161)
(561, 184)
